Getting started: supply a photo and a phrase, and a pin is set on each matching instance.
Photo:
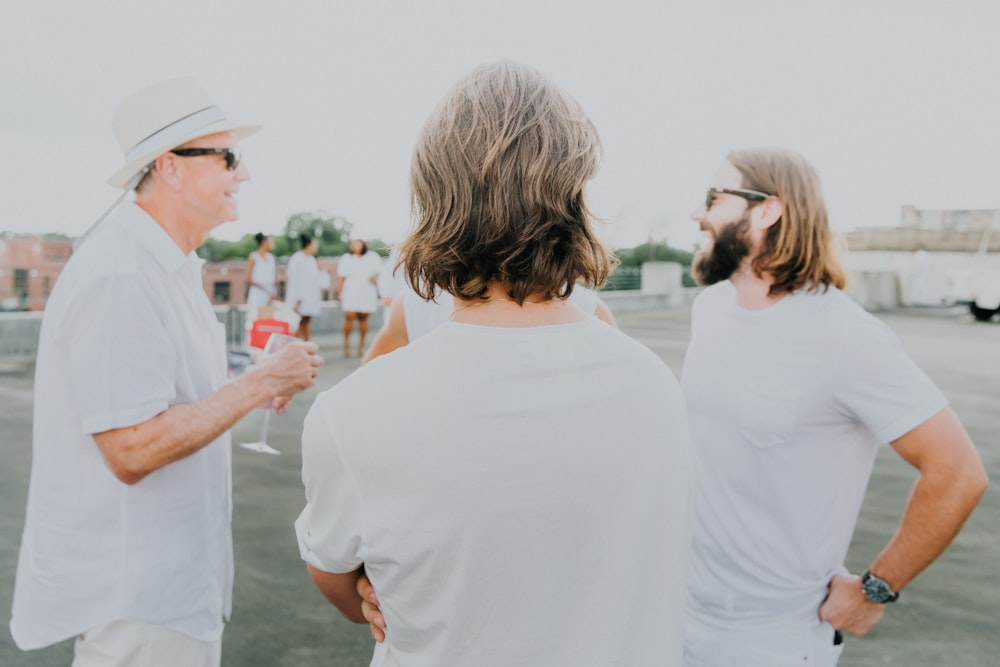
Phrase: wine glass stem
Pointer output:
(263, 427)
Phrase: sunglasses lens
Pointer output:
(709, 200)
(232, 159)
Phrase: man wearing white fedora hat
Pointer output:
(127, 543)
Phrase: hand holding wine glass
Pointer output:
(292, 378)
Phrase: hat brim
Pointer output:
(125, 174)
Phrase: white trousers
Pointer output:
(799, 642)
(128, 644)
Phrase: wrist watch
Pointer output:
(876, 589)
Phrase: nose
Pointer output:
(242, 173)
(698, 215)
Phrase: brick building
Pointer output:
(30, 266)
(28, 270)
(227, 282)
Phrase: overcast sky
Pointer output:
(895, 102)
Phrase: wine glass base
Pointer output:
(261, 447)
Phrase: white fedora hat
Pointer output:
(163, 116)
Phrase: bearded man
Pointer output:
(791, 388)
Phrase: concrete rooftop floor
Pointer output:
(949, 616)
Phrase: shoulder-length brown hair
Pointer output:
(798, 250)
(497, 185)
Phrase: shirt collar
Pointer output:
(156, 241)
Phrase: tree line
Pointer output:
(334, 235)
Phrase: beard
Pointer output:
(727, 253)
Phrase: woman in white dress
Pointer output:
(305, 284)
(358, 271)
(260, 268)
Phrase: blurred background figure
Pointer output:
(305, 284)
(260, 268)
(390, 284)
(358, 292)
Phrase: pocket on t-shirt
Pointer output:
(768, 413)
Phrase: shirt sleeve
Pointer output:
(329, 528)
(881, 386)
(122, 361)
(344, 265)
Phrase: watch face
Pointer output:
(876, 589)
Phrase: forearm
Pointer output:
(940, 503)
(950, 484)
(180, 430)
(936, 510)
(341, 591)
(392, 336)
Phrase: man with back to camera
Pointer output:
(127, 543)
(529, 500)
(791, 387)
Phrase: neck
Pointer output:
(497, 309)
(752, 290)
(186, 233)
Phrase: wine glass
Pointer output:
(274, 343)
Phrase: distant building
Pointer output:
(28, 270)
(30, 266)
(933, 231)
(227, 282)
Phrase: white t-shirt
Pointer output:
(788, 406)
(527, 502)
(304, 284)
(128, 331)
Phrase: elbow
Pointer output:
(970, 483)
(127, 469)
(978, 482)
(129, 475)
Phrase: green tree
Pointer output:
(332, 231)
(240, 249)
(653, 252)
(211, 250)
(379, 246)
(214, 250)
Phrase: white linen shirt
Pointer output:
(128, 332)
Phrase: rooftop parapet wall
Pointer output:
(933, 230)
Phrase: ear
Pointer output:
(168, 170)
(766, 213)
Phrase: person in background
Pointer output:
(791, 387)
(358, 292)
(127, 543)
(390, 283)
(260, 268)
(305, 284)
(530, 500)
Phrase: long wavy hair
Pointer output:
(497, 186)
(798, 250)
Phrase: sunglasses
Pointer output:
(232, 154)
(749, 195)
